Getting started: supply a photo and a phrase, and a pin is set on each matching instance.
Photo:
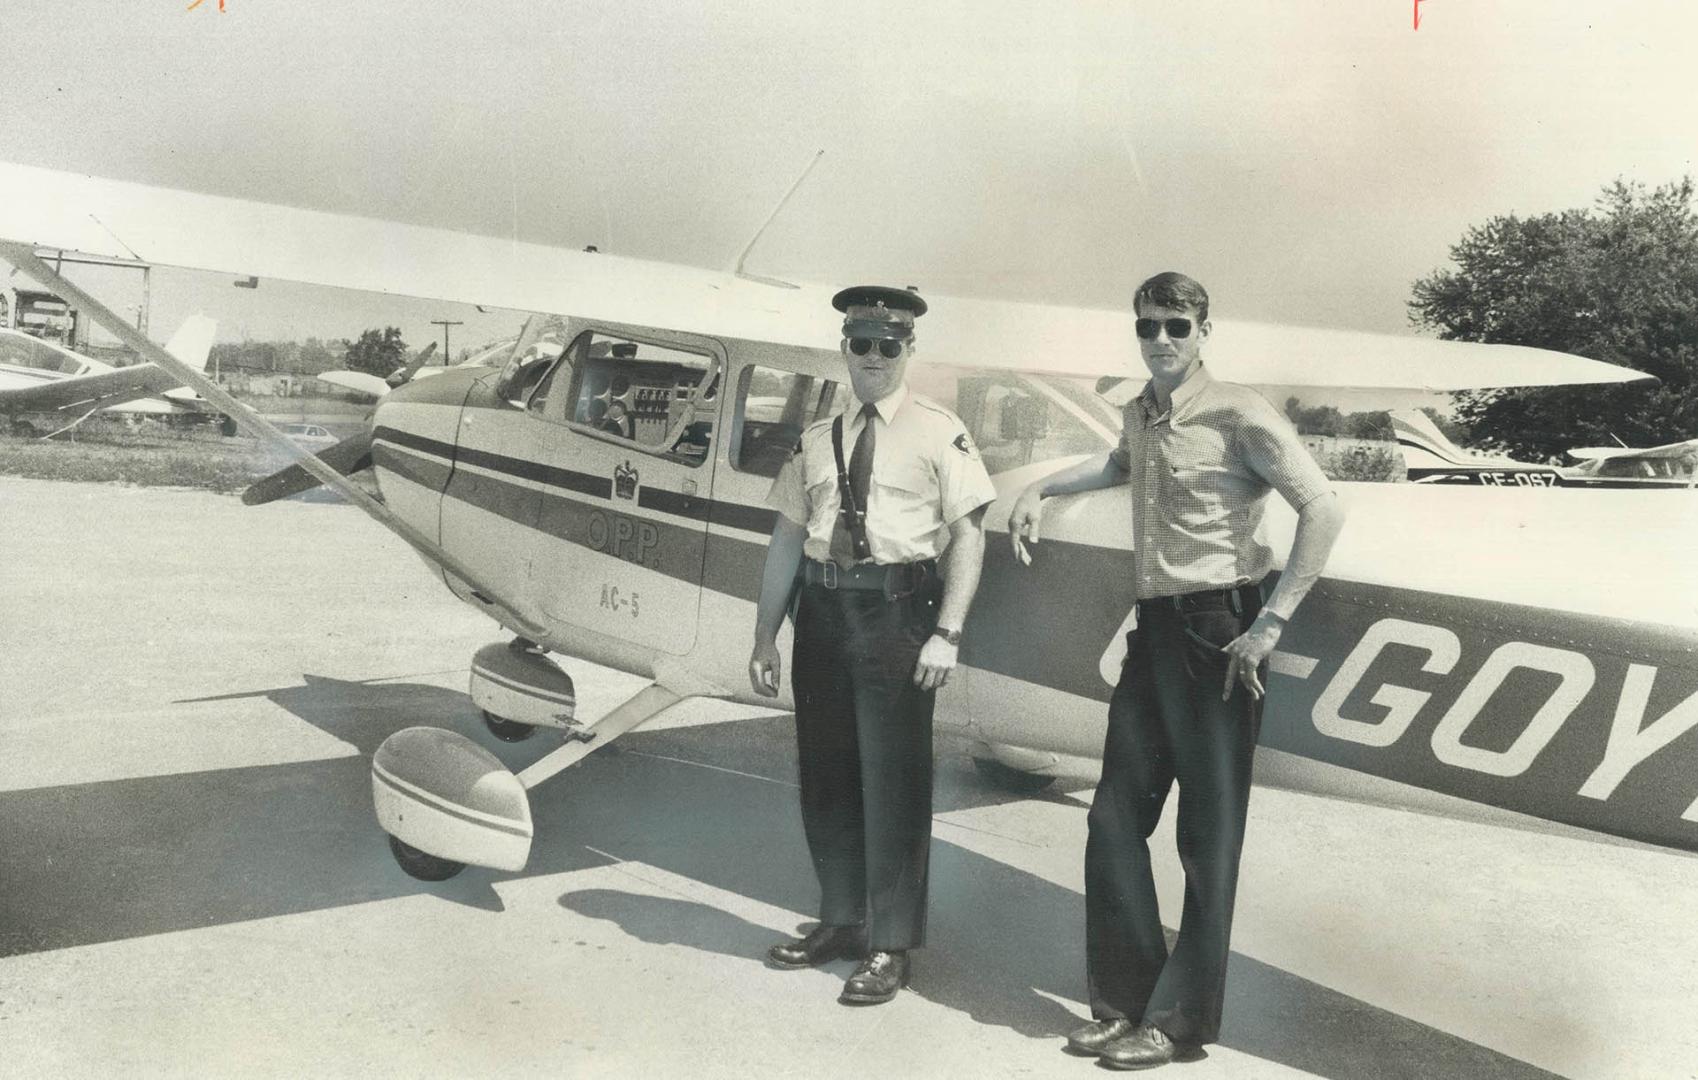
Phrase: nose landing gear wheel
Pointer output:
(506, 730)
(419, 864)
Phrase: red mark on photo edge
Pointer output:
(198, 3)
(1417, 11)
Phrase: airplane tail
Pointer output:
(1423, 445)
(192, 344)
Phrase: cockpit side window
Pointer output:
(1018, 417)
(773, 407)
(660, 399)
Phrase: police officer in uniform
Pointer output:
(866, 505)
(1201, 458)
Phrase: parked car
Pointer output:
(310, 436)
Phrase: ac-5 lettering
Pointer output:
(614, 600)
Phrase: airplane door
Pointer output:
(624, 432)
(490, 503)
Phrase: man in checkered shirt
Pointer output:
(1200, 458)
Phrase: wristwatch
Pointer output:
(951, 636)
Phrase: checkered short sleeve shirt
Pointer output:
(1200, 474)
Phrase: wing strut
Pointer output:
(73, 423)
(637, 710)
(24, 257)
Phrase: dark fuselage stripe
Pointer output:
(429, 472)
(662, 546)
(728, 514)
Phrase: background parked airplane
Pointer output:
(45, 382)
(1432, 458)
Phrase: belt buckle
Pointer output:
(828, 576)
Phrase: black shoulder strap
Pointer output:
(854, 515)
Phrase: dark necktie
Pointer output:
(860, 480)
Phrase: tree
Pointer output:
(1449, 428)
(245, 356)
(317, 356)
(377, 352)
(1617, 283)
(1368, 425)
(1320, 420)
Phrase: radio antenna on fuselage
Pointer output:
(755, 239)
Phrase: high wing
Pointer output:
(1617, 453)
(102, 386)
(94, 391)
(55, 210)
(361, 382)
(23, 256)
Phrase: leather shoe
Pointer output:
(821, 945)
(1091, 1038)
(1146, 1047)
(877, 980)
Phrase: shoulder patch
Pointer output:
(965, 445)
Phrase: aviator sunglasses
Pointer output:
(1176, 328)
(889, 348)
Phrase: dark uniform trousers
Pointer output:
(864, 747)
(1167, 722)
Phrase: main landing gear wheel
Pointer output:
(421, 865)
(506, 730)
(1011, 779)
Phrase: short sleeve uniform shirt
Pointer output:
(926, 475)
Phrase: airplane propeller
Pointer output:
(403, 375)
(346, 457)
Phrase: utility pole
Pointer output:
(447, 358)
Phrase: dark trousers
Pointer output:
(1167, 722)
(864, 747)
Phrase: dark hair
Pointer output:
(1172, 290)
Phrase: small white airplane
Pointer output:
(42, 379)
(370, 386)
(1431, 458)
(603, 498)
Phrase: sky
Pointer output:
(1307, 160)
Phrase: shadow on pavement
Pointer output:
(99, 862)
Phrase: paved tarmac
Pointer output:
(192, 884)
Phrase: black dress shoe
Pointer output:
(1091, 1038)
(877, 980)
(821, 945)
(1146, 1047)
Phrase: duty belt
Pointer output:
(1237, 600)
(895, 580)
